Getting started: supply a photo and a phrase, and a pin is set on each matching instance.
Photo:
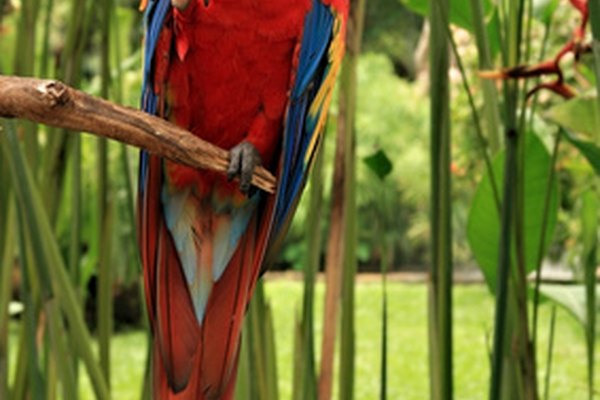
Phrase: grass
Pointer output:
(408, 376)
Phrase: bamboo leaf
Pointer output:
(483, 226)
(589, 232)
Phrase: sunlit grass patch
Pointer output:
(408, 368)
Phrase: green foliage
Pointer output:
(483, 229)
(579, 114)
(49, 265)
(460, 13)
(572, 298)
(393, 30)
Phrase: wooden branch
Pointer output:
(53, 103)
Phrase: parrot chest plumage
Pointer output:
(225, 72)
(229, 77)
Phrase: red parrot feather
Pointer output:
(255, 78)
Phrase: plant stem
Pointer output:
(440, 287)
(549, 357)
(104, 234)
(476, 121)
(6, 266)
(504, 266)
(490, 94)
(48, 258)
(541, 245)
(594, 9)
(348, 98)
(305, 386)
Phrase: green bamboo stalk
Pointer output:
(65, 369)
(104, 293)
(36, 387)
(333, 263)
(305, 384)
(490, 94)
(549, 357)
(512, 347)
(20, 380)
(45, 56)
(270, 353)
(243, 385)
(133, 267)
(594, 9)
(348, 95)
(386, 261)
(300, 369)
(502, 287)
(105, 273)
(440, 285)
(56, 152)
(589, 231)
(525, 359)
(483, 148)
(540, 253)
(147, 387)
(50, 373)
(24, 65)
(340, 234)
(75, 239)
(255, 331)
(6, 248)
(48, 258)
(6, 264)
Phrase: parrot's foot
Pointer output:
(244, 158)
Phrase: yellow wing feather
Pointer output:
(323, 97)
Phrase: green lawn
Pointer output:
(408, 371)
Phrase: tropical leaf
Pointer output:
(460, 14)
(578, 115)
(571, 298)
(589, 150)
(483, 226)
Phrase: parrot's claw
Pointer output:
(244, 158)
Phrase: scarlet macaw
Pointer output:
(255, 77)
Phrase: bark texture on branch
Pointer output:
(53, 103)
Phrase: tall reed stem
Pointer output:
(440, 284)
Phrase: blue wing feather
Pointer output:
(154, 18)
(301, 126)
